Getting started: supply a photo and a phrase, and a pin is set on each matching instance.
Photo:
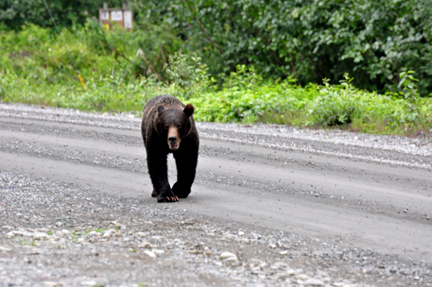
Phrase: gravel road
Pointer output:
(271, 206)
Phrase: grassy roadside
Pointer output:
(278, 102)
(35, 69)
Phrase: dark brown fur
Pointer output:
(168, 127)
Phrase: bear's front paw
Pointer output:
(167, 196)
(180, 191)
(172, 198)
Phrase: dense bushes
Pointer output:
(374, 41)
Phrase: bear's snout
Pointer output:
(173, 138)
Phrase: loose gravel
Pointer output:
(55, 234)
(59, 234)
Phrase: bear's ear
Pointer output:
(189, 110)
(161, 109)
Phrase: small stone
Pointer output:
(51, 283)
(108, 233)
(302, 277)
(241, 233)
(89, 283)
(291, 272)
(145, 244)
(23, 233)
(66, 232)
(7, 227)
(5, 249)
(141, 234)
(228, 256)
(40, 235)
(19, 215)
(115, 223)
(158, 251)
(150, 253)
(313, 282)
(59, 223)
(245, 240)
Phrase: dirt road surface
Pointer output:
(292, 207)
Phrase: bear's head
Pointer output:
(174, 124)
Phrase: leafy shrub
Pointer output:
(336, 105)
(245, 97)
(374, 41)
(187, 75)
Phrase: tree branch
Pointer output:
(151, 66)
(118, 53)
(163, 54)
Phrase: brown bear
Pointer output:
(168, 127)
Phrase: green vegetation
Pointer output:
(26, 242)
(373, 40)
(288, 66)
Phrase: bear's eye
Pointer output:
(166, 127)
(179, 126)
